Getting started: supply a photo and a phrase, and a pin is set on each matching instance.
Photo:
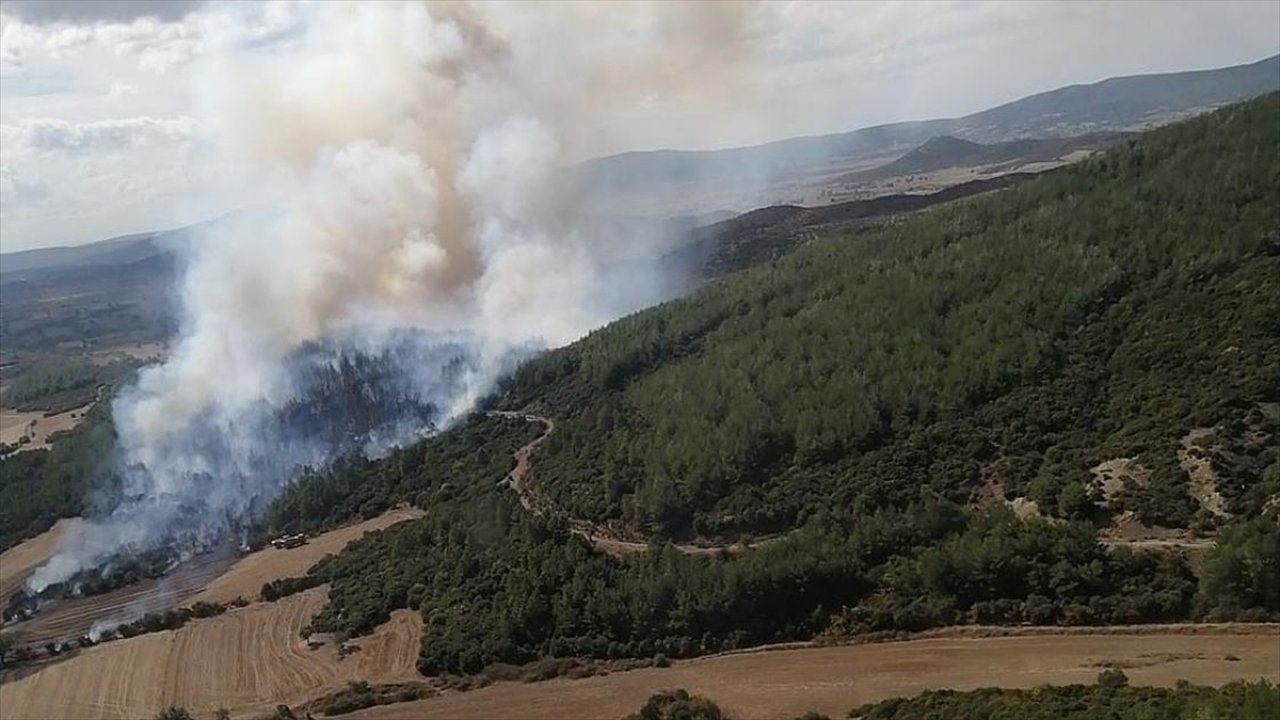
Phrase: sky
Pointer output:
(108, 125)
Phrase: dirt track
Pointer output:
(247, 660)
(606, 540)
(787, 683)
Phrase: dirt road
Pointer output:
(607, 540)
(788, 683)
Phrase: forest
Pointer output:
(55, 385)
(1097, 312)
(497, 585)
(37, 487)
(853, 394)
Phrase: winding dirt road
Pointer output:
(605, 539)
(616, 543)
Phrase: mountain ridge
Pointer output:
(1127, 100)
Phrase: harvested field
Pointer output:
(247, 660)
(64, 620)
(831, 680)
(214, 577)
(246, 577)
(36, 427)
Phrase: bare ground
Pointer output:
(17, 562)
(1204, 485)
(831, 680)
(246, 578)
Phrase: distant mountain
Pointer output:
(741, 241)
(947, 151)
(115, 252)
(1116, 104)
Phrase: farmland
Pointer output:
(247, 660)
(832, 680)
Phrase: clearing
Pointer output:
(832, 680)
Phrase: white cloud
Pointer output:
(156, 41)
(63, 41)
(17, 39)
(16, 189)
(47, 134)
(120, 90)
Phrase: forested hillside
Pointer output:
(39, 486)
(857, 393)
(1098, 312)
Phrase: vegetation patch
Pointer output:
(1111, 697)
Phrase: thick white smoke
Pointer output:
(407, 167)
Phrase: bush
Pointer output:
(1238, 701)
(677, 705)
(1112, 678)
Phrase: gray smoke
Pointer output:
(417, 228)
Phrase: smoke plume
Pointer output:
(414, 229)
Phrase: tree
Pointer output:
(1074, 502)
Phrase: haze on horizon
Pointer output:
(101, 103)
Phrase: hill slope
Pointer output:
(861, 390)
(1096, 313)
(945, 151)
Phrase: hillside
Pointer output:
(1099, 312)
(124, 250)
(739, 242)
(104, 295)
(858, 396)
(945, 151)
